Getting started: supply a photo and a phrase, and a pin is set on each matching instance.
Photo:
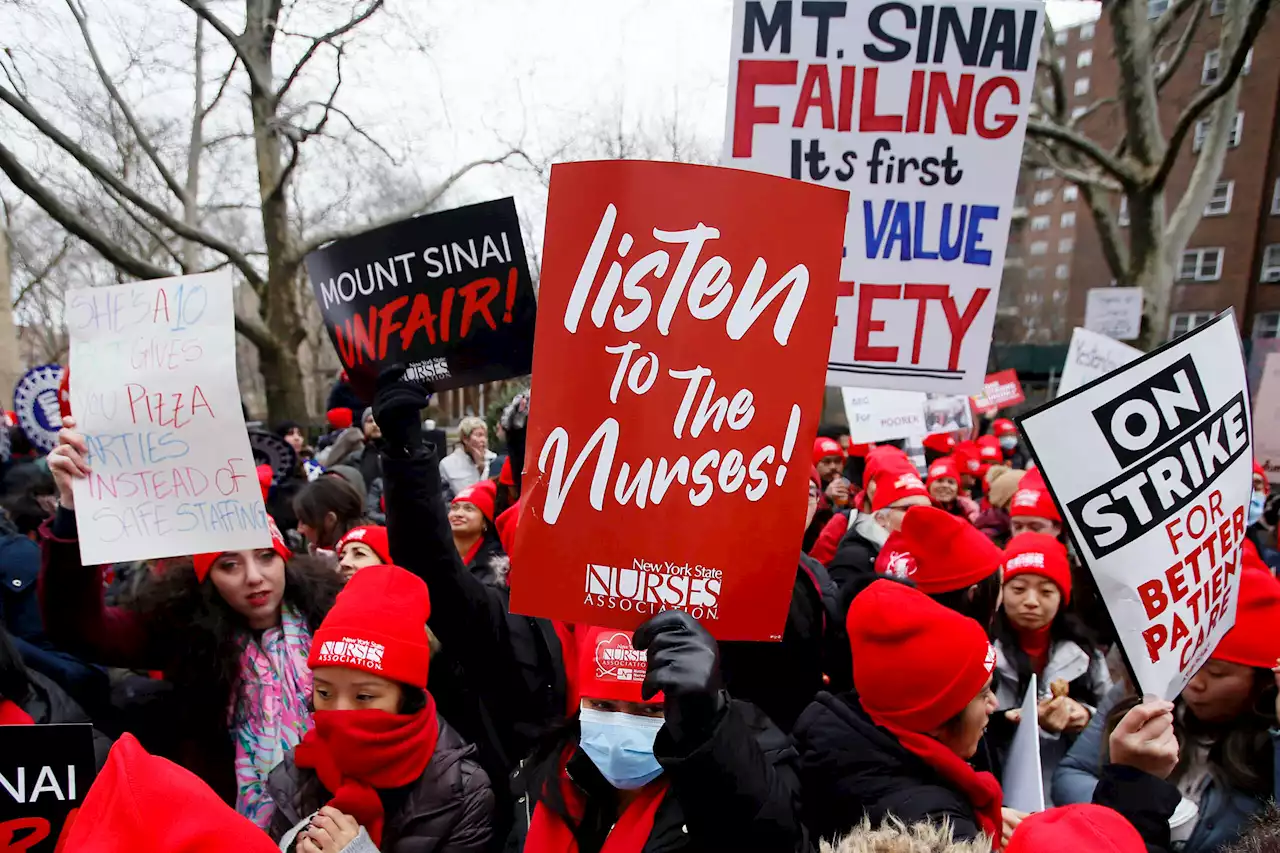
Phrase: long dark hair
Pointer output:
(15, 684)
(23, 488)
(1066, 626)
(981, 607)
(191, 618)
(317, 499)
(545, 766)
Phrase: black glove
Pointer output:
(397, 409)
(684, 664)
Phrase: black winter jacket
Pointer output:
(47, 703)
(736, 790)
(855, 559)
(448, 810)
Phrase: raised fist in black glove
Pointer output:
(397, 408)
(684, 664)
(516, 415)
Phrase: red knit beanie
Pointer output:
(505, 477)
(940, 442)
(1038, 554)
(1033, 499)
(378, 624)
(1002, 427)
(967, 455)
(339, 418)
(943, 468)
(950, 552)
(264, 480)
(506, 525)
(894, 560)
(131, 807)
(204, 562)
(1077, 828)
(894, 484)
(824, 447)
(483, 495)
(1254, 640)
(861, 450)
(609, 667)
(373, 535)
(1262, 472)
(989, 450)
(884, 456)
(916, 664)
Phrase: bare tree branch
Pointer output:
(1091, 109)
(326, 39)
(1050, 159)
(1174, 62)
(222, 88)
(233, 39)
(1085, 146)
(1114, 248)
(1161, 26)
(38, 277)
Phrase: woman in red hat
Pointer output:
(326, 509)
(1035, 634)
(943, 484)
(362, 547)
(1032, 509)
(1225, 720)
(474, 534)
(380, 760)
(231, 632)
(953, 563)
(1006, 434)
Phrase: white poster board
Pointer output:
(1023, 781)
(1091, 356)
(154, 390)
(1114, 311)
(1266, 418)
(926, 134)
(878, 414)
(1158, 511)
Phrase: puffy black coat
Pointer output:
(854, 560)
(46, 703)
(448, 810)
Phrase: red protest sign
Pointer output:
(1000, 390)
(684, 322)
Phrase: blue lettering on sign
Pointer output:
(902, 229)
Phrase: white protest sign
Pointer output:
(153, 389)
(1023, 781)
(879, 414)
(1266, 418)
(1114, 311)
(1157, 511)
(919, 110)
(1090, 356)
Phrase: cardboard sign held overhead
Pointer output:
(447, 294)
(1114, 311)
(681, 338)
(1000, 391)
(1158, 512)
(877, 414)
(45, 771)
(1091, 356)
(919, 110)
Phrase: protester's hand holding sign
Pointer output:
(330, 832)
(67, 462)
(684, 666)
(1145, 739)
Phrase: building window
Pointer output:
(1035, 273)
(1044, 173)
(1271, 263)
(1202, 131)
(1084, 58)
(1155, 8)
(1061, 62)
(1217, 7)
(1266, 325)
(1122, 218)
(1070, 192)
(1201, 265)
(1180, 324)
(1042, 197)
(1060, 38)
(1039, 247)
(1248, 62)
(1065, 245)
(1082, 86)
(1237, 129)
(1212, 67)
(1068, 219)
(1076, 112)
(1220, 202)
(1275, 199)
(1040, 223)
(1086, 32)
(1062, 272)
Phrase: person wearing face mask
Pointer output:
(1256, 552)
(658, 755)
(230, 631)
(380, 760)
(1032, 509)
(944, 489)
(1007, 437)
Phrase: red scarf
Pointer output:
(982, 789)
(470, 556)
(358, 753)
(549, 834)
(1036, 644)
(12, 715)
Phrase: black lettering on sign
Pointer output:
(769, 28)
(1153, 413)
(824, 11)
(1118, 512)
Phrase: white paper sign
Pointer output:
(1114, 311)
(1152, 470)
(878, 414)
(1023, 781)
(924, 127)
(1090, 356)
(1266, 418)
(153, 389)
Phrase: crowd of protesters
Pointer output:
(362, 684)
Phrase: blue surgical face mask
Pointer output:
(1256, 504)
(621, 746)
(1008, 442)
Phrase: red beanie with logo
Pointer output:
(609, 666)
(1003, 427)
(1076, 828)
(942, 469)
(886, 456)
(378, 624)
(131, 807)
(339, 418)
(1038, 554)
(1033, 499)
(1254, 640)
(916, 664)
(950, 552)
(861, 450)
(372, 535)
(989, 450)
(824, 447)
(967, 456)
(893, 484)
(204, 562)
(894, 560)
(483, 495)
(940, 442)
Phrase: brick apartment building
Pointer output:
(1232, 259)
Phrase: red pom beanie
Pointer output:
(1003, 427)
(339, 418)
(264, 479)
(1072, 829)
(609, 667)
(378, 624)
(885, 456)
(204, 562)
(824, 447)
(916, 664)
(1262, 472)
(1032, 499)
(1254, 640)
(131, 807)
(1038, 554)
(940, 442)
(943, 468)
(894, 484)
(483, 495)
(967, 455)
(950, 553)
(373, 535)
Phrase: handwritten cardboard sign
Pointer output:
(45, 771)
(1158, 511)
(154, 391)
(681, 338)
(1114, 311)
(1000, 390)
(448, 295)
(919, 110)
(1091, 356)
(878, 414)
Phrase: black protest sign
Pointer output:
(45, 771)
(448, 295)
